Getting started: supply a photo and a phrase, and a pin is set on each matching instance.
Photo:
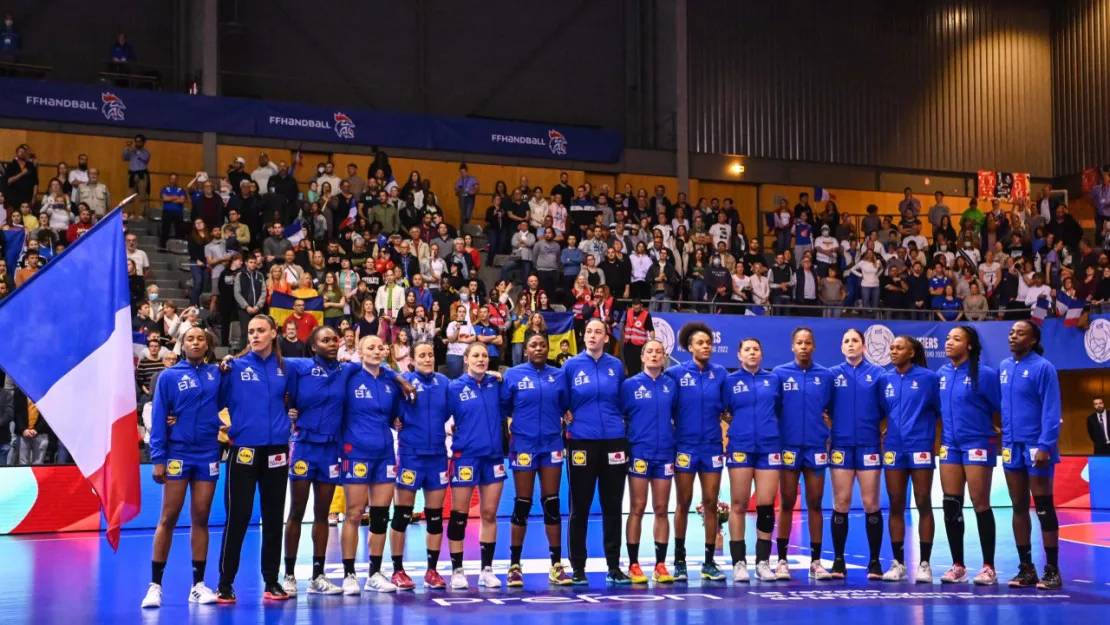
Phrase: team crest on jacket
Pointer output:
(248, 375)
(363, 393)
(943, 382)
(840, 381)
(642, 393)
(467, 394)
(790, 385)
(687, 380)
(581, 378)
(186, 383)
(740, 387)
(526, 384)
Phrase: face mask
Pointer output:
(944, 248)
(319, 170)
(967, 244)
(464, 297)
(153, 297)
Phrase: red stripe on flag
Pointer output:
(116, 483)
(64, 503)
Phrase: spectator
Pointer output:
(459, 333)
(545, 256)
(909, 202)
(95, 194)
(250, 295)
(869, 270)
(806, 285)
(122, 52)
(563, 190)
(304, 322)
(137, 158)
(538, 208)
(173, 212)
(9, 45)
(32, 429)
(198, 262)
(22, 176)
(521, 257)
(148, 367)
(663, 281)
(466, 188)
(741, 288)
(832, 294)
(803, 207)
(289, 345)
(31, 260)
(975, 306)
(827, 248)
(1065, 228)
(488, 334)
(207, 206)
(1100, 197)
(948, 305)
(137, 256)
(782, 226)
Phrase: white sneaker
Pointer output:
(896, 573)
(924, 574)
(289, 585)
(458, 580)
(324, 586)
(202, 594)
(379, 583)
(763, 571)
(957, 574)
(487, 579)
(740, 572)
(782, 571)
(153, 598)
(986, 577)
(818, 571)
(350, 585)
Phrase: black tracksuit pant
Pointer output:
(603, 469)
(267, 469)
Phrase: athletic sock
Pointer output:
(317, 566)
(633, 553)
(985, 520)
(839, 533)
(398, 563)
(433, 559)
(290, 566)
(514, 554)
(1025, 554)
(156, 570)
(899, 549)
(375, 564)
(762, 549)
(487, 554)
(456, 560)
(782, 544)
(815, 551)
(660, 552)
(874, 534)
(1052, 556)
(679, 550)
(954, 529)
(556, 553)
(738, 550)
(926, 550)
(710, 551)
(198, 571)
(348, 566)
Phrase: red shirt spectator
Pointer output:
(83, 225)
(305, 323)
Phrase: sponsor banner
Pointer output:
(130, 108)
(1066, 347)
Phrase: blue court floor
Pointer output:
(75, 578)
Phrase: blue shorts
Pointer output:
(358, 470)
(1019, 457)
(798, 458)
(471, 471)
(699, 459)
(203, 467)
(316, 462)
(858, 458)
(648, 469)
(530, 460)
(735, 459)
(903, 460)
(422, 472)
(976, 453)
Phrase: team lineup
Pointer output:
(307, 425)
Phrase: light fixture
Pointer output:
(736, 169)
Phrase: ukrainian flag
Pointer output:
(560, 327)
(281, 306)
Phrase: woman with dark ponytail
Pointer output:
(969, 399)
(1030, 449)
(253, 391)
(910, 403)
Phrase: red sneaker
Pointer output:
(433, 580)
(402, 581)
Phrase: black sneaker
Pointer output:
(275, 592)
(579, 577)
(1026, 577)
(839, 569)
(617, 576)
(874, 571)
(225, 594)
(1051, 579)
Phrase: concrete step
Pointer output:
(165, 275)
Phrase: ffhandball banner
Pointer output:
(138, 109)
(1066, 347)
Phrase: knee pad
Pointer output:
(522, 506)
(765, 518)
(456, 527)
(402, 516)
(1046, 513)
(434, 516)
(953, 508)
(551, 514)
(379, 519)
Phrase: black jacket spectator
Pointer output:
(618, 274)
(21, 416)
(290, 349)
(1067, 230)
(20, 190)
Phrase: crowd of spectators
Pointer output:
(376, 255)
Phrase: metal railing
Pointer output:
(788, 309)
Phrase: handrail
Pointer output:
(879, 313)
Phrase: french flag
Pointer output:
(1068, 308)
(295, 232)
(821, 194)
(1040, 311)
(352, 215)
(84, 386)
